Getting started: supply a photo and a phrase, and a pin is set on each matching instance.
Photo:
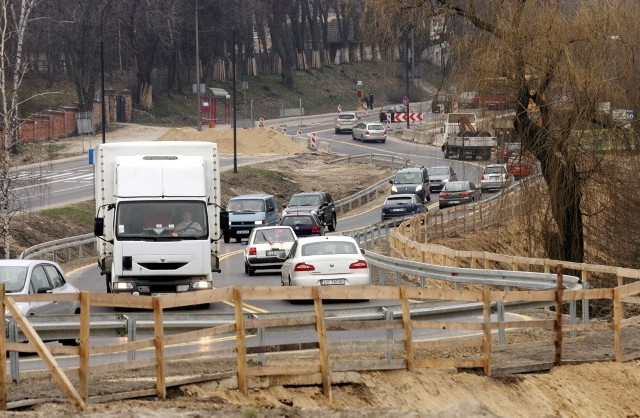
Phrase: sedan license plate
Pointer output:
(397, 210)
(327, 282)
(275, 253)
(242, 231)
(455, 202)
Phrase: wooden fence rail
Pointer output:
(325, 350)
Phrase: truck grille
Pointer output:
(162, 266)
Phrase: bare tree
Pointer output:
(15, 17)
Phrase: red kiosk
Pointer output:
(215, 108)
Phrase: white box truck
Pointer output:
(158, 215)
(462, 139)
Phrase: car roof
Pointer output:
(347, 113)
(265, 228)
(409, 169)
(301, 213)
(309, 193)
(341, 238)
(401, 196)
(251, 196)
(23, 263)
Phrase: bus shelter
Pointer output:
(215, 107)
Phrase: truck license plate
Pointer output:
(326, 282)
(242, 231)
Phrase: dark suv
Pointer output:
(412, 180)
(319, 203)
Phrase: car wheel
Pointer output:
(226, 238)
(334, 222)
(246, 268)
(382, 141)
(250, 270)
(238, 239)
(108, 276)
(337, 131)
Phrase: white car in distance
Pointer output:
(325, 261)
(267, 248)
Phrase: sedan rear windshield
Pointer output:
(456, 186)
(347, 117)
(376, 127)
(328, 248)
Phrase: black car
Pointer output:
(412, 180)
(318, 202)
(304, 224)
(391, 110)
(400, 205)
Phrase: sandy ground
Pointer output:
(603, 389)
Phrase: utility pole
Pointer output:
(198, 112)
(406, 54)
(233, 70)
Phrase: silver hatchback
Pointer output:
(346, 121)
(369, 131)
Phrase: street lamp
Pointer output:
(102, 104)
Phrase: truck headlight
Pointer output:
(394, 189)
(202, 284)
(418, 188)
(123, 286)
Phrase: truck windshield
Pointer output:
(171, 219)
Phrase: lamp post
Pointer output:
(233, 78)
(102, 104)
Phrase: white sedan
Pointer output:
(267, 247)
(325, 260)
(369, 131)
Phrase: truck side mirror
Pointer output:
(98, 227)
(224, 219)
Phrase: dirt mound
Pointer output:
(248, 141)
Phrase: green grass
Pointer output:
(80, 213)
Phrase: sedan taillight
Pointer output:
(441, 195)
(366, 132)
(360, 264)
(252, 251)
(303, 267)
(315, 229)
(465, 194)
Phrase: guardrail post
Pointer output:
(131, 336)
(14, 359)
(261, 357)
(388, 316)
(398, 279)
(558, 323)
(585, 304)
(572, 316)
(501, 331)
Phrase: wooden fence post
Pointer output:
(83, 367)
(486, 331)
(618, 313)
(558, 323)
(158, 332)
(406, 325)
(241, 347)
(321, 330)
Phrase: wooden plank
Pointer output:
(444, 294)
(83, 361)
(592, 326)
(424, 324)
(449, 344)
(524, 296)
(299, 319)
(278, 348)
(282, 370)
(121, 300)
(407, 328)
(515, 346)
(348, 325)
(446, 363)
(118, 348)
(631, 356)
(200, 333)
(631, 300)
(193, 298)
(486, 334)
(356, 365)
(321, 331)
(536, 323)
(630, 289)
(379, 346)
(45, 355)
(527, 368)
(45, 297)
(605, 293)
(3, 353)
(158, 332)
(241, 345)
(277, 293)
(635, 320)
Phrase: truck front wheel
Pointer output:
(226, 238)
(108, 283)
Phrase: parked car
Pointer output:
(25, 277)
(391, 110)
(345, 121)
(520, 166)
(304, 224)
(458, 193)
(411, 180)
(495, 176)
(439, 176)
(322, 261)
(369, 131)
(318, 202)
(267, 248)
(399, 205)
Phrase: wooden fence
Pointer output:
(334, 346)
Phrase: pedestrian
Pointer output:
(366, 103)
(371, 101)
